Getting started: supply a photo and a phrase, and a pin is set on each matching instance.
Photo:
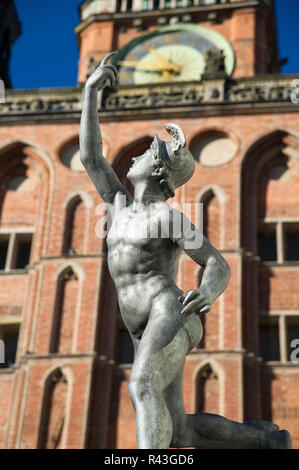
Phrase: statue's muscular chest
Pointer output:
(128, 226)
(133, 242)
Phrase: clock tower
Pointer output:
(185, 29)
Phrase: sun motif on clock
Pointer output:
(173, 53)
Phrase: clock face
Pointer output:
(169, 54)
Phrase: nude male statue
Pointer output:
(162, 320)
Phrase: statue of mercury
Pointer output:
(144, 243)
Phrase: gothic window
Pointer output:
(270, 228)
(278, 235)
(15, 250)
(211, 218)
(10, 335)
(20, 195)
(207, 391)
(53, 411)
(65, 312)
(277, 331)
(75, 224)
(19, 209)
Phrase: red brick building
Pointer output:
(213, 68)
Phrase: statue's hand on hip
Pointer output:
(195, 301)
(104, 75)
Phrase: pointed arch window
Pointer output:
(53, 411)
(270, 228)
(207, 391)
(75, 227)
(278, 234)
(212, 218)
(65, 312)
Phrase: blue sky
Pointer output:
(46, 55)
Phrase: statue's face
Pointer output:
(142, 167)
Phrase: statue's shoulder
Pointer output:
(163, 210)
(122, 200)
(169, 214)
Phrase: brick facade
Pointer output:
(68, 385)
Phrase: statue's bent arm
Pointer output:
(99, 170)
(216, 273)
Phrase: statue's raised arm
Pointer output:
(91, 149)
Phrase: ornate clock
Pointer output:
(171, 53)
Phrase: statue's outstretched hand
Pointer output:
(104, 75)
(195, 301)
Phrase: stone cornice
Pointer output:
(128, 16)
(257, 95)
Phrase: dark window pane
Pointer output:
(269, 340)
(293, 333)
(125, 348)
(10, 338)
(292, 247)
(291, 237)
(23, 252)
(267, 243)
(4, 240)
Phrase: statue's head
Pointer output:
(169, 163)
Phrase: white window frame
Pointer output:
(280, 238)
(13, 233)
(282, 331)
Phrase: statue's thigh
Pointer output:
(161, 352)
